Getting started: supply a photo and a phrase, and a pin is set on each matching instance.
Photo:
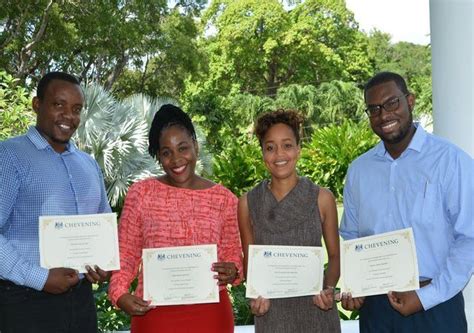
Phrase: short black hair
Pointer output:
(384, 77)
(46, 80)
(168, 115)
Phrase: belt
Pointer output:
(425, 283)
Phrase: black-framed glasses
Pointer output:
(374, 110)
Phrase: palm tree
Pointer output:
(338, 101)
(329, 103)
(115, 133)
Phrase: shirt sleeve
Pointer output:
(13, 266)
(349, 228)
(104, 206)
(229, 246)
(130, 244)
(458, 267)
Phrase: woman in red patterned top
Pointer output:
(177, 209)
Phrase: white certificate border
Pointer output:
(407, 233)
(110, 218)
(254, 249)
(147, 254)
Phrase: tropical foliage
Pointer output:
(15, 114)
(109, 319)
(239, 165)
(326, 157)
(116, 134)
(97, 40)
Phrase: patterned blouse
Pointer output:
(158, 215)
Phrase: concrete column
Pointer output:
(452, 45)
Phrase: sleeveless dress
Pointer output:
(295, 220)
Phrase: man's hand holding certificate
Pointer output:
(77, 241)
(378, 264)
(284, 271)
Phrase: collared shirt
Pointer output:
(35, 180)
(430, 188)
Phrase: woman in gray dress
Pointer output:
(290, 210)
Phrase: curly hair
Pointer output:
(288, 117)
(168, 115)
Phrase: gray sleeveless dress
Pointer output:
(295, 220)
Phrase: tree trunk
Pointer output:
(25, 53)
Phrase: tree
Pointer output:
(96, 40)
(164, 73)
(259, 46)
(329, 103)
(234, 115)
(411, 61)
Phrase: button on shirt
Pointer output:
(35, 180)
(430, 188)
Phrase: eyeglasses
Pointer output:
(374, 110)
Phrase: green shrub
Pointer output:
(242, 313)
(109, 318)
(15, 109)
(326, 157)
(239, 165)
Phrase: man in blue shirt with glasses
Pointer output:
(418, 180)
(43, 173)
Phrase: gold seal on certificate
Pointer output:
(75, 241)
(284, 271)
(180, 275)
(378, 264)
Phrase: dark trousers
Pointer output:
(25, 310)
(378, 316)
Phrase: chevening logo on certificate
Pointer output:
(284, 271)
(378, 264)
(75, 241)
(180, 275)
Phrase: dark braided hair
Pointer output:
(168, 115)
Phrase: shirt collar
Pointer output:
(418, 139)
(416, 142)
(41, 143)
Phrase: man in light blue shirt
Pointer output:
(43, 173)
(412, 179)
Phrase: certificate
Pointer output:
(180, 275)
(284, 271)
(378, 264)
(75, 241)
